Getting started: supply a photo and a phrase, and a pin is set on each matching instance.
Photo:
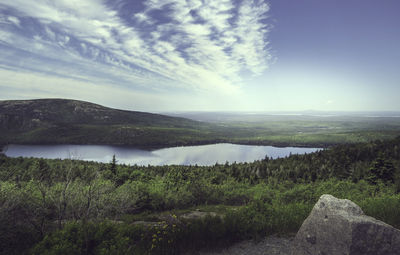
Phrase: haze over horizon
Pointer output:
(204, 55)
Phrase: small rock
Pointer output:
(198, 215)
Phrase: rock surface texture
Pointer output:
(339, 226)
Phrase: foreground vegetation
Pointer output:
(77, 207)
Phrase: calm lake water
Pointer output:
(188, 155)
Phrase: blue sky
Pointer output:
(184, 55)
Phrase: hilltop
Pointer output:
(39, 112)
(79, 122)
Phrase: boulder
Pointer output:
(339, 226)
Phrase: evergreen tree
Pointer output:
(382, 169)
(113, 167)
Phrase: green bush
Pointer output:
(385, 208)
(90, 238)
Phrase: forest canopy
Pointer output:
(71, 206)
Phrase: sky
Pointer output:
(204, 55)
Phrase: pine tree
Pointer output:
(113, 165)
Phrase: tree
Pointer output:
(382, 169)
(61, 194)
(113, 167)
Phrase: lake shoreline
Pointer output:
(202, 155)
(185, 144)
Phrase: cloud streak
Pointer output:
(161, 45)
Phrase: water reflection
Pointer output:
(190, 155)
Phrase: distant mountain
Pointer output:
(26, 114)
(62, 121)
(309, 115)
(77, 122)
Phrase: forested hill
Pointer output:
(28, 114)
(62, 121)
(72, 121)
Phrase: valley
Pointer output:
(61, 121)
(189, 199)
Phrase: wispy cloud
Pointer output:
(28, 85)
(161, 44)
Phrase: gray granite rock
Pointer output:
(339, 226)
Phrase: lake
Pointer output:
(203, 155)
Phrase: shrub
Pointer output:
(385, 208)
